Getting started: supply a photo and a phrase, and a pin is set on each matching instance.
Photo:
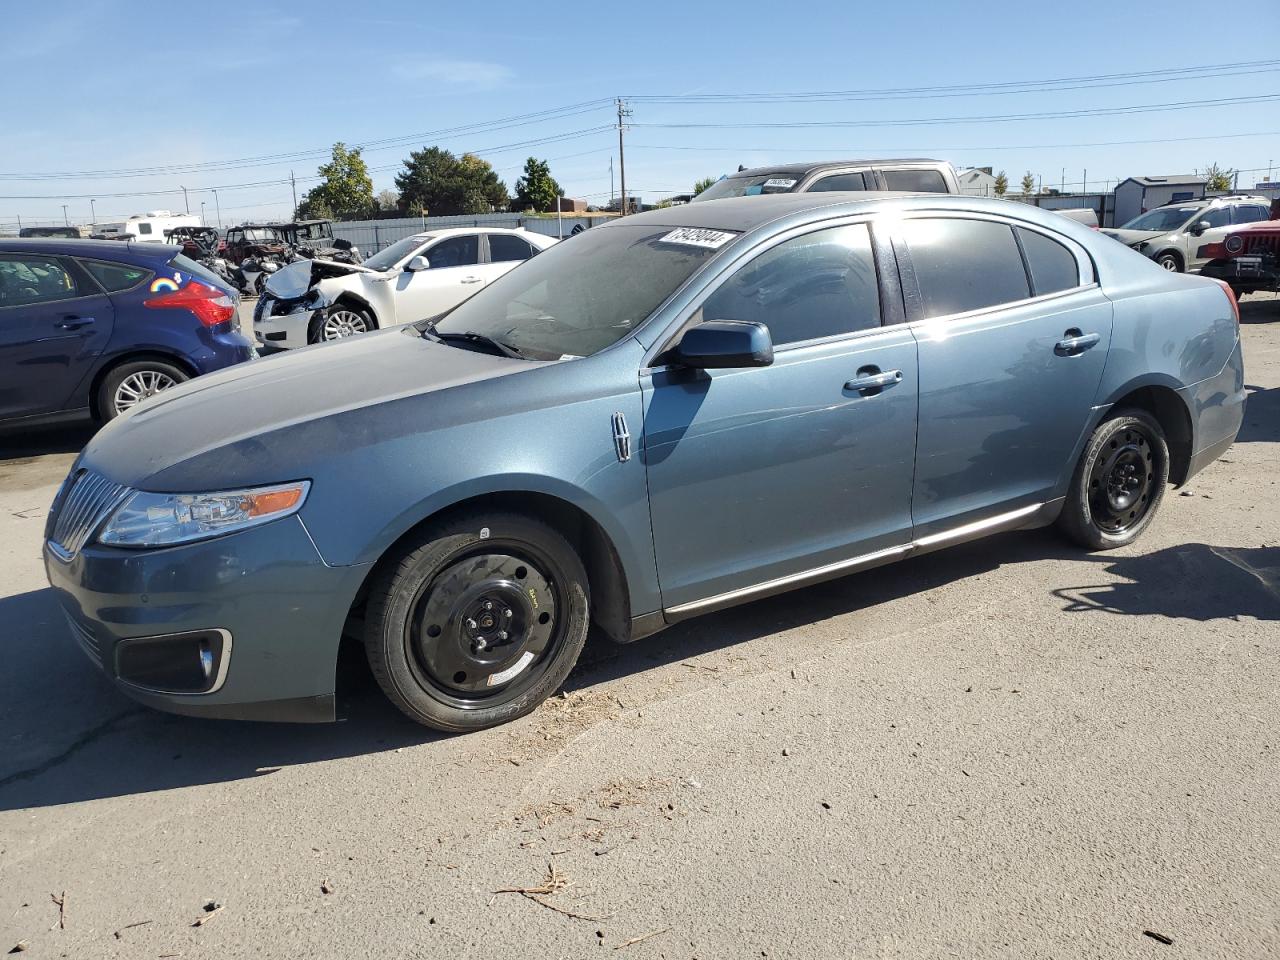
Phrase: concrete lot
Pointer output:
(1011, 749)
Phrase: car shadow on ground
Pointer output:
(1261, 416)
(22, 443)
(1260, 309)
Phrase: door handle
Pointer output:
(874, 381)
(73, 323)
(472, 279)
(1074, 342)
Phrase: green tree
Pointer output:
(1028, 183)
(537, 189)
(1002, 184)
(436, 183)
(1220, 179)
(346, 192)
(700, 185)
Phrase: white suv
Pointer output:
(1172, 235)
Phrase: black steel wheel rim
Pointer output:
(486, 626)
(1122, 481)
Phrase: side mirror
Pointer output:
(1200, 228)
(418, 263)
(721, 344)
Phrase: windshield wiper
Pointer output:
(430, 332)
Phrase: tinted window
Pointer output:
(504, 247)
(818, 285)
(915, 181)
(1218, 217)
(144, 228)
(1249, 213)
(114, 277)
(965, 265)
(28, 280)
(1053, 267)
(454, 252)
(841, 181)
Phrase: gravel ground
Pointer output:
(1011, 748)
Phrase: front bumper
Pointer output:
(280, 331)
(1249, 272)
(266, 587)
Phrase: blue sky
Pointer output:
(123, 86)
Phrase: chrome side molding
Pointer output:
(1011, 520)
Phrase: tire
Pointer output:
(478, 621)
(127, 385)
(1118, 485)
(338, 322)
(1170, 261)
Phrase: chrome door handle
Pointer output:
(472, 279)
(1076, 342)
(73, 323)
(874, 381)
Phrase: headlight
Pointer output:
(1234, 243)
(162, 519)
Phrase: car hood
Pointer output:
(246, 423)
(1131, 237)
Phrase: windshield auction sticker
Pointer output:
(778, 183)
(696, 237)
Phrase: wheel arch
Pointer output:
(1177, 255)
(353, 299)
(608, 588)
(1163, 402)
(103, 371)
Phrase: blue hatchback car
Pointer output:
(100, 325)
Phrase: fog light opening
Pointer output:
(206, 660)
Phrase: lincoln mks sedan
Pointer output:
(658, 418)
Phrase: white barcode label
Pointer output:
(697, 237)
(778, 183)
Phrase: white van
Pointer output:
(153, 226)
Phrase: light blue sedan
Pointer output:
(680, 411)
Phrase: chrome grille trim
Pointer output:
(88, 643)
(89, 499)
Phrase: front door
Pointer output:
(54, 322)
(1218, 220)
(772, 472)
(452, 276)
(1013, 337)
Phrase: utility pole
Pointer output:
(185, 202)
(623, 113)
(64, 215)
(19, 223)
(612, 196)
(203, 221)
(93, 213)
(1084, 187)
(1063, 188)
(218, 207)
(293, 185)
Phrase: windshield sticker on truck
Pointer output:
(696, 237)
(164, 283)
(778, 183)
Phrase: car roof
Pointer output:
(799, 170)
(454, 231)
(130, 251)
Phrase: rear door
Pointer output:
(454, 274)
(1013, 334)
(503, 252)
(914, 179)
(54, 323)
(842, 180)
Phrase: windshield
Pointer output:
(584, 294)
(260, 234)
(1164, 219)
(749, 186)
(387, 258)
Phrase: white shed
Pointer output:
(1137, 195)
(977, 182)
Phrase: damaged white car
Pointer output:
(311, 301)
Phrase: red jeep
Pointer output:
(1248, 258)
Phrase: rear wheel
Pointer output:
(131, 383)
(1119, 482)
(477, 623)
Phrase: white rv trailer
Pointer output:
(153, 226)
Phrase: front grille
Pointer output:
(88, 500)
(88, 643)
(1263, 243)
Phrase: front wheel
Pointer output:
(339, 322)
(477, 623)
(1170, 262)
(1119, 482)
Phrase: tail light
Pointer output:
(1231, 298)
(210, 305)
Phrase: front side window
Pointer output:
(818, 285)
(1052, 266)
(964, 265)
(503, 248)
(461, 251)
(30, 280)
(840, 181)
(914, 181)
(1217, 217)
(115, 277)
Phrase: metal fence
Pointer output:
(373, 235)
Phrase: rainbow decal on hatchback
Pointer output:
(164, 283)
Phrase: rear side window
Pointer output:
(914, 181)
(29, 280)
(840, 181)
(1052, 266)
(504, 247)
(115, 277)
(964, 265)
(818, 285)
(1249, 213)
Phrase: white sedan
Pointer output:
(414, 278)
